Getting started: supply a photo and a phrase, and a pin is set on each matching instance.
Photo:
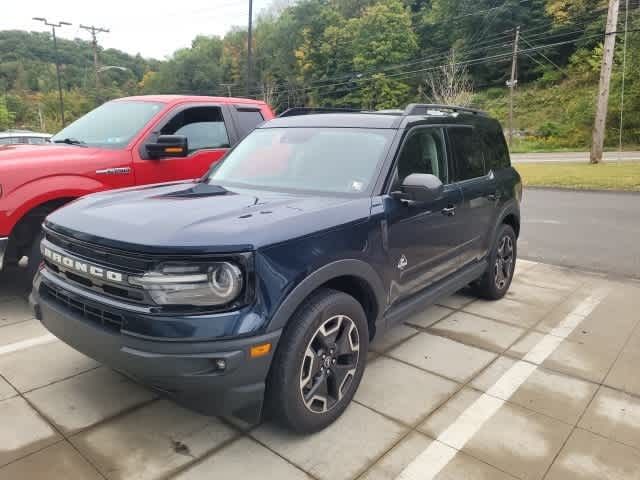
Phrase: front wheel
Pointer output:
(495, 282)
(320, 361)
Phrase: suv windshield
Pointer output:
(332, 160)
(111, 125)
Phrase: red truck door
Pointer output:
(209, 131)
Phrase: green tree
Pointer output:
(383, 35)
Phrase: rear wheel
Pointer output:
(320, 361)
(495, 282)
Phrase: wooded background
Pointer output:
(360, 53)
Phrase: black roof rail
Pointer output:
(423, 108)
(296, 111)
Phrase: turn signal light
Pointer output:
(260, 350)
(173, 150)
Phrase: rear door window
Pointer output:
(495, 147)
(466, 151)
(248, 119)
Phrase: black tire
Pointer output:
(294, 372)
(495, 282)
(35, 257)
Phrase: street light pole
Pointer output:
(57, 60)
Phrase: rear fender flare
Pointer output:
(510, 208)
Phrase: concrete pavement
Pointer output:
(540, 385)
(590, 230)
(571, 157)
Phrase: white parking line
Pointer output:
(428, 464)
(545, 221)
(32, 342)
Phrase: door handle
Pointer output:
(494, 196)
(449, 211)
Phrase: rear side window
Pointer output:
(466, 150)
(248, 119)
(203, 126)
(495, 147)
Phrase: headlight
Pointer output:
(212, 284)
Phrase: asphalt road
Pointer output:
(571, 157)
(589, 230)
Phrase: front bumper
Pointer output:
(186, 371)
(4, 242)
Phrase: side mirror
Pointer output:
(420, 187)
(168, 146)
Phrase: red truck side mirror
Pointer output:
(168, 146)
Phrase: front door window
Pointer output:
(203, 126)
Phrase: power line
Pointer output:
(462, 63)
(358, 77)
(429, 59)
(362, 78)
(544, 56)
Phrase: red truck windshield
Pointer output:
(111, 125)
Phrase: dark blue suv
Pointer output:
(265, 281)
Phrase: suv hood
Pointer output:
(197, 218)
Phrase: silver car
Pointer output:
(14, 137)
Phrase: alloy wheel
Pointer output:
(329, 364)
(503, 267)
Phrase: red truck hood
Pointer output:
(47, 153)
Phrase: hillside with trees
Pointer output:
(363, 53)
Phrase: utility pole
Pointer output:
(249, 49)
(513, 81)
(597, 143)
(57, 60)
(94, 40)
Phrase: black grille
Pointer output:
(117, 260)
(128, 293)
(108, 320)
(125, 263)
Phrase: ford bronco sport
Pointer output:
(265, 281)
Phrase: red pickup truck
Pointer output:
(123, 143)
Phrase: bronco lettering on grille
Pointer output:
(83, 268)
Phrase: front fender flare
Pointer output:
(339, 268)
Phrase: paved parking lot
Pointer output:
(543, 384)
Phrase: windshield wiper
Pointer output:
(71, 141)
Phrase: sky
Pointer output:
(153, 29)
